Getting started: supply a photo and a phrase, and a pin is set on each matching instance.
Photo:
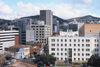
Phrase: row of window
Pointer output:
(83, 59)
(78, 54)
(87, 45)
(65, 49)
(74, 40)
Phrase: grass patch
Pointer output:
(76, 63)
(61, 64)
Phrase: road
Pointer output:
(21, 64)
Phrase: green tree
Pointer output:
(47, 59)
(94, 61)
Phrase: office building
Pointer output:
(47, 17)
(91, 29)
(8, 39)
(41, 33)
(72, 48)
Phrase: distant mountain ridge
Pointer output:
(84, 18)
(79, 19)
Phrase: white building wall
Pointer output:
(79, 52)
(29, 36)
(7, 39)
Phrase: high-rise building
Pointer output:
(47, 17)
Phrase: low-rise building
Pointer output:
(7, 39)
(19, 52)
(37, 48)
(73, 48)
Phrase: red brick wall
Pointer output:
(16, 40)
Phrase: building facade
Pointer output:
(91, 29)
(19, 51)
(41, 33)
(74, 48)
(7, 39)
(47, 17)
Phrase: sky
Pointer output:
(12, 9)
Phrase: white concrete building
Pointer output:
(75, 49)
(7, 39)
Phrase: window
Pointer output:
(53, 40)
(78, 44)
(82, 54)
(69, 44)
(65, 44)
(61, 40)
(61, 58)
(69, 40)
(78, 58)
(57, 58)
(61, 49)
(57, 40)
(86, 58)
(74, 54)
(96, 49)
(52, 53)
(61, 53)
(90, 30)
(78, 54)
(61, 44)
(87, 45)
(78, 40)
(74, 44)
(87, 54)
(78, 49)
(57, 53)
(65, 53)
(74, 58)
(82, 40)
(87, 49)
(65, 49)
(57, 49)
(97, 40)
(82, 58)
(65, 40)
(65, 58)
(96, 45)
(82, 49)
(53, 49)
(53, 44)
(74, 49)
(82, 45)
(87, 40)
(74, 40)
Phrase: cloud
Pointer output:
(68, 11)
(5, 11)
(87, 1)
(28, 9)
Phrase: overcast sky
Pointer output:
(11, 9)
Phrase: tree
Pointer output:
(94, 61)
(34, 53)
(46, 59)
